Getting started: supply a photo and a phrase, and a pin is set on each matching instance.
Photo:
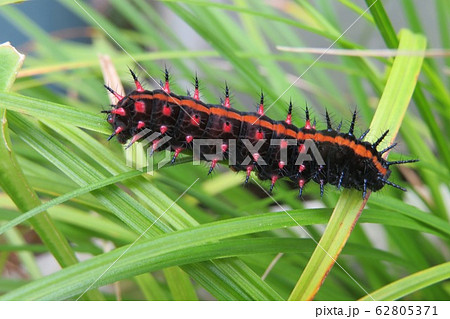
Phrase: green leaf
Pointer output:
(388, 33)
(13, 181)
(68, 196)
(183, 247)
(390, 112)
(411, 283)
(53, 111)
(179, 284)
(150, 287)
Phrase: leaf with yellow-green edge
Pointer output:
(411, 283)
(390, 112)
(54, 111)
(13, 181)
(386, 29)
(12, 61)
(425, 108)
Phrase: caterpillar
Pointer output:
(340, 159)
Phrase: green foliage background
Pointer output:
(219, 238)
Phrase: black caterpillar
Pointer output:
(248, 138)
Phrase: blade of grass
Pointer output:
(65, 284)
(391, 110)
(401, 207)
(388, 33)
(352, 6)
(411, 283)
(61, 199)
(98, 225)
(13, 61)
(57, 112)
(179, 284)
(177, 248)
(150, 287)
(14, 183)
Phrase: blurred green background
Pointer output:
(58, 138)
